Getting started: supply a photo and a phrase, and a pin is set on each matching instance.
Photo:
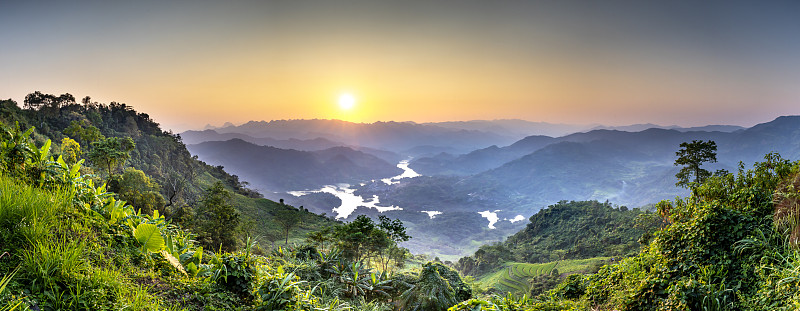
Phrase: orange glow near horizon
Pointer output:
(558, 62)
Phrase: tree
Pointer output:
(217, 219)
(320, 237)
(139, 191)
(37, 99)
(70, 150)
(394, 228)
(180, 173)
(691, 156)
(109, 153)
(287, 219)
(362, 239)
(396, 232)
(48, 104)
(84, 132)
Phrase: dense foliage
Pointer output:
(567, 230)
(68, 244)
(731, 245)
(721, 251)
(149, 168)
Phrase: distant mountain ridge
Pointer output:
(661, 143)
(514, 127)
(634, 168)
(196, 137)
(642, 127)
(273, 169)
(407, 138)
(392, 136)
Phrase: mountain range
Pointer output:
(397, 137)
(502, 179)
(273, 169)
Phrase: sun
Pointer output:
(347, 101)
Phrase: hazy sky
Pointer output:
(613, 62)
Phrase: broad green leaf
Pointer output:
(44, 151)
(191, 269)
(76, 168)
(28, 132)
(198, 253)
(149, 236)
(170, 245)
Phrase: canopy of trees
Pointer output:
(567, 230)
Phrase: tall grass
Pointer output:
(54, 264)
(12, 304)
(49, 261)
(28, 212)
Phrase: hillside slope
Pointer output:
(181, 179)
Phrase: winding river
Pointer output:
(350, 201)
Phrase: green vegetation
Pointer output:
(72, 245)
(691, 156)
(521, 278)
(148, 168)
(731, 245)
(171, 233)
(567, 230)
(722, 250)
(110, 153)
(362, 240)
(217, 219)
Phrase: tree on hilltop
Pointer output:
(691, 156)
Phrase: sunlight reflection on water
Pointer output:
(350, 201)
(407, 173)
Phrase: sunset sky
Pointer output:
(191, 63)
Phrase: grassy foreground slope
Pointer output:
(62, 257)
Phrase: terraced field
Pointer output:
(515, 277)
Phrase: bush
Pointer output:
(437, 288)
(574, 286)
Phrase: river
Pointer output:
(350, 201)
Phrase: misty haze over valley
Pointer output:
(400, 155)
(475, 180)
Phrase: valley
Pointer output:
(335, 155)
(487, 222)
(479, 196)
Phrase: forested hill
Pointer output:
(158, 173)
(568, 230)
